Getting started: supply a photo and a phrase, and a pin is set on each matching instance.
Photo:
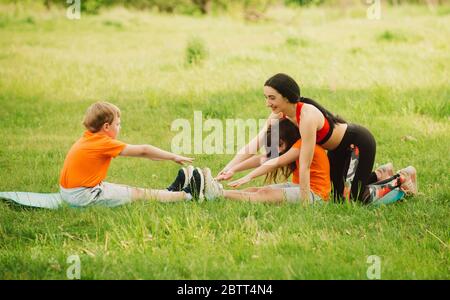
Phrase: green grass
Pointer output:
(390, 75)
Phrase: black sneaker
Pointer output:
(196, 185)
(182, 180)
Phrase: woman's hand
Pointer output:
(181, 160)
(225, 175)
(240, 181)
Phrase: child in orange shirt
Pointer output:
(281, 168)
(87, 162)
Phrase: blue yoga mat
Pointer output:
(39, 200)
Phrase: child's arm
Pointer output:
(251, 148)
(268, 166)
(153, 153)
(250, 163)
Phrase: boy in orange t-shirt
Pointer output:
(87, 162)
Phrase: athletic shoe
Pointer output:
(196, 185)
(182, 180)
(408, 179)
(213, 189)
(384, 172)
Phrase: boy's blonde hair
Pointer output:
(98, 114)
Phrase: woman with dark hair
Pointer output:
(351, 148)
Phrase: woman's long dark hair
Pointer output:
(289, 135)
(289, 89)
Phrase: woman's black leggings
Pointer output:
(340, 160)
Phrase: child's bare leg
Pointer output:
(251, 189)
(157, 195)
(256, 189)
(263, 195)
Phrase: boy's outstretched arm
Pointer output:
(153, 153)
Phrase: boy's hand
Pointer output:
(182, 159)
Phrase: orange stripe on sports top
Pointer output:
(322, 133)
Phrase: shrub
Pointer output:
(196, 51)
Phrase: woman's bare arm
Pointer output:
(308, 129)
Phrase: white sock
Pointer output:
(188, 196)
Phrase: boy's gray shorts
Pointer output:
(292, 192)
(105, 193)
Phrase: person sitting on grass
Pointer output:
(382, 182)
(87, 162)
(276, 168)
(280, 169)
(285, 165)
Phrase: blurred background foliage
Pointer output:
(252, 9)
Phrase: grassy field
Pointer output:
(391, 75)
